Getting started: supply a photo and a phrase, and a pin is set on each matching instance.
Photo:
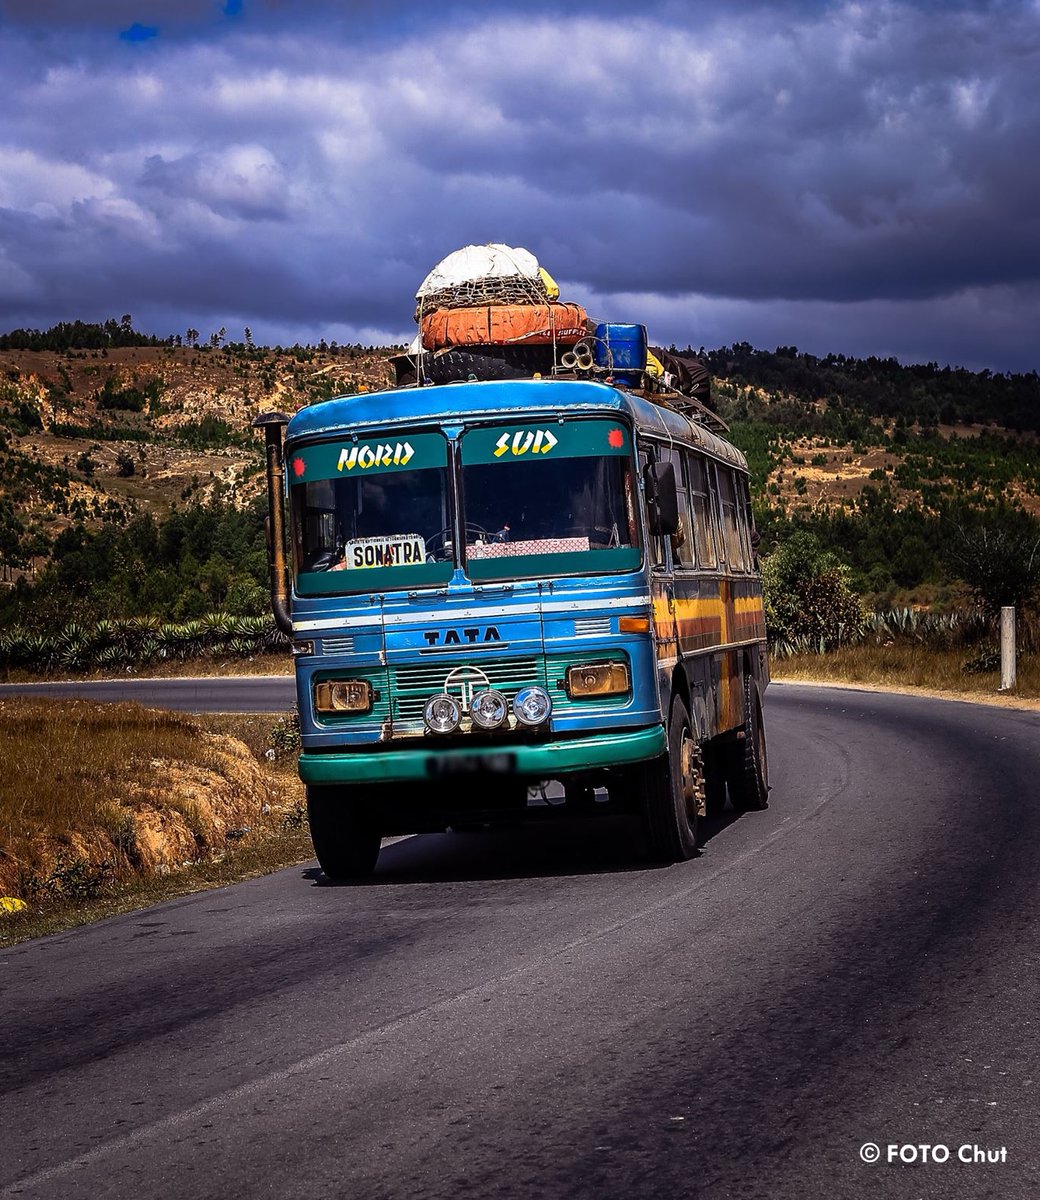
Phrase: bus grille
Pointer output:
(337, 645)
(412, 686)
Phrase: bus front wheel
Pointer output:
(344, 831)
(672, 791)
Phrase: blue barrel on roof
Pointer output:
(621, 349)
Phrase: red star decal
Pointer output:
(616, 438)
(298, 467)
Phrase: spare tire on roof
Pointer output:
(451, 366)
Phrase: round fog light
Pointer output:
(488, 709)
(532, 706)
(442, 713)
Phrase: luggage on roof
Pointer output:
(491, 274)
(503, 325)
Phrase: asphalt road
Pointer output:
(225, 694)
(536, 1015)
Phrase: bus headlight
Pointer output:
(532, 706)
(442, 713)
(343, 695)
(488, 710)
(598, 679)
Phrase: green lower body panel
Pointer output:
(535, 760)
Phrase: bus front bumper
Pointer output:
(533, 760)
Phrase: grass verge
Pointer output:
(109, 807)
(909, 666)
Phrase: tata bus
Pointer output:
(494, 586)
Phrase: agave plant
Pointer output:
(72, 634)
(40, 651)
(220, 628)
(112, 656)
(102, 635)
(193, 638)
(9, 639)
(789, 647)
(169, 639)
(273, 638)
(149, 649)
(71, 655)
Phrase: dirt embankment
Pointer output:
(93, 795)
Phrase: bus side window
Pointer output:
(730, 523)
(746, 521)
(702, 531)
(683, 541)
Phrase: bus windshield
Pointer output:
(539, 500)
(371, 515)
(549, 499)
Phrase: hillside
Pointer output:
(898, 493)
(101, 435)
(133, 484)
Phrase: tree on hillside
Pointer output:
(1000, 564)
(12, 533)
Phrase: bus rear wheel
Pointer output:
(748, 774)
(672, 791)
(344, 831)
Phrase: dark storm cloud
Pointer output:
(851, 177)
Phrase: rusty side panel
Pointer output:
(709, 623)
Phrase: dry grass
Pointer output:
(101, 800)
(907, 666)
(213, 665)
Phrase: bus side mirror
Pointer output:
(662, 501)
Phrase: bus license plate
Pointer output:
(439, 765)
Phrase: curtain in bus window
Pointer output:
(730, 525)
(700, 504)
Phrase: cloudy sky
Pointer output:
(851, 177)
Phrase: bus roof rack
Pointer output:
(691, 409)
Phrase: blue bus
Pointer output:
(494, 585)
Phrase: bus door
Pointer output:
(662, 586)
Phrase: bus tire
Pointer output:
(748, 775)
(714, 780)
(672, 791)
(454, 366)
(344, 832)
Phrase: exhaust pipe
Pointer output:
(272, 423)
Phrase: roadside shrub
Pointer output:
(1000, 564)
(983, 661)
(285, 736)
(808, 596)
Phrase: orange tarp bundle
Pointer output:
(504, 324)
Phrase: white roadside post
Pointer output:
(1007, 649)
